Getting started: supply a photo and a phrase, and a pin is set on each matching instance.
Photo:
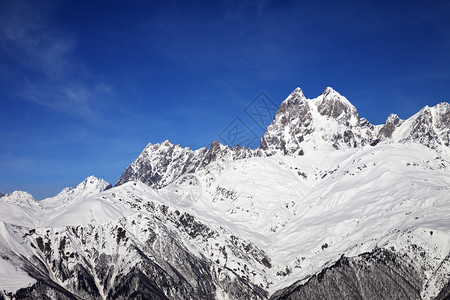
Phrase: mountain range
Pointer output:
(329, 206)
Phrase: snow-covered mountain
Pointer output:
(300, 125)
(303, 125)
(21, 208)
(89, 187)
(19, 198)
(328, 207)
(330, 120)
(161, 164)
(430, 127)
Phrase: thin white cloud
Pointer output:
(31, 41)
(70, 97)
(28, 38)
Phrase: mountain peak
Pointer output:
(295, 97)
(215, 145)
(88, 187)
(93, 181)
(391, 124)
(393, 118)
(163, 144)
(167, 143)
(306, 125)
(159, 166)
(330, 95)
(328, 90)
(300, 126)
(20, 198)
(297, 90)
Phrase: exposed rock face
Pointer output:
(294, 109)
(430, 126)
(137, 257)
(444, 294)
(334, 105)
(422, 129)
(442, 122)
(161, 164)
(237, 223)
(391, 124)
(303, 125)
(377, 275)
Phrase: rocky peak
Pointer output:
(364, 123)
(215, 146)
(215, 151)
(161, 164)
(308, 124)
(294, 105)
(442, 115)
(294, 110)
(333, 104)
(88, 187)
(442, 122)
(93, 181)
(394, 119)
(429, 127)
(422, 127)
(20, 198)
(300, 125)
(392, 122)
(295, 97)
(329, 94)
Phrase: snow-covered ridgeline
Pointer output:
(324, 185)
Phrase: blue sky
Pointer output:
(85, 85)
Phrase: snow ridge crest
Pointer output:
(300, 126)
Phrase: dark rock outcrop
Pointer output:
(378, 275)
(301, 125)
(392, 123)
(161, 164)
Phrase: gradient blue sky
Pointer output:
(85, 85)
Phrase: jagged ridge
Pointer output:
(301, 125)
(249, 223)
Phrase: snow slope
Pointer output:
(22, 209)
(330, 120)
(306, 212)
(90, 186)
(302, 212)
(235, 223)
